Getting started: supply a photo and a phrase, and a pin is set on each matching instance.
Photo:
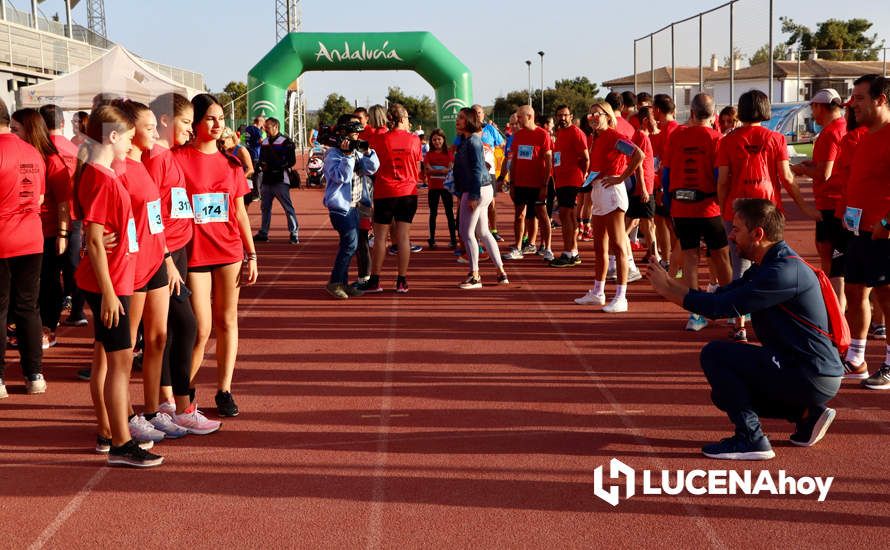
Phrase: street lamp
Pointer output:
(529, 64)
(541, 53)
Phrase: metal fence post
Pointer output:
(652, 65)
(673, 68)
(701, 58)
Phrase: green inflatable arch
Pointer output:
(420, 52)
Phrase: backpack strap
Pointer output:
(798, 317)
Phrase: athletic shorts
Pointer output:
(114, 338)
(691, 231)
(829, 229)
(867, 261)
(638, 209)
(158, 280)
(839, 253)
(400, 209)
(567, 196)
(209, 268)
(529, 197)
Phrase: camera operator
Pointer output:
(345, 192)
(277, 157)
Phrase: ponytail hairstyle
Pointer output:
(35, 131)
(201, 103)
(103, 120)
(132, 109)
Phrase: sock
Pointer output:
(856, 353)
(599, 287)
(191, 395)
(620, 291)
(149, 416)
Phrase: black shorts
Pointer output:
(567, 196)
(529, 197)
(114, 338)
(691, 231)
(400, 209)
(158, 280)
(829, 229)
(209, 268)
(638, 209)
(867, 261)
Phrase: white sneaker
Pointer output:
(591, 299)
(696, 323)
(195, 422)
(513, 254)
(142, 430)
(617, 305)
(634, 276)
(38, 385)
(168, 408)
(548, 255)
(3, 393)
(163, 423)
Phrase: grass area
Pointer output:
(804, 149)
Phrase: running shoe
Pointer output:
(739, 447)
(617, 305)
(103, 444)
(540, 250)
(67, 303)
(83, 374)
(497, 236)
(392, 250)
(462, 259)
(48, 340)
(402, 285)
(195, 422)
(503, 280)
(336, 290)
(529, 248)
(3, 393)
(739, 335)
(855, 372)
(634, 276)
(548, 255)
(415, 248)
(812, 429)
(129, 454)
(591, 299)
(75, 322)
(168, 408)
(225, 404)
(513, 254)
(554, 224)
(261, 237)
(370, 286)
(352, 291)
(470, 283)
(141, 429)
(878, 332)
(564, 260)
(612, 274)
(577, 259)
(35, 384)
(696, 323)
(164, 423)
(879, 380)
(294, 239)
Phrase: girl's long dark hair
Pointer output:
(36, 132)
(201, 103)
(441, 133)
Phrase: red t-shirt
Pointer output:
(374, 137)
(624, 127)
(437, 160)
(145, 200)
(840, 174)
(213, 183)
(58, 190)
(660, 140)
(568, 152)
(826, 149)
(750, 152)
(642, 141)
(163, 168)
(868, 187)
(67, 150)
(691, 157)
(529, 148)
(399, 154)
(22, 180)
(104, 200)
(606, 154)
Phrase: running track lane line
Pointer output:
(75, 503)
(375, 521)
(692, 510)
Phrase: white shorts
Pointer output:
(606, 200)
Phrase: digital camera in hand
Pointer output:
(331, 136)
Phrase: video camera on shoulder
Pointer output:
(331, 136)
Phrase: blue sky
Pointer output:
(225, 38)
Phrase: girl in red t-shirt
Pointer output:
(107, 279)
(54, 217)
(612, 160)
(216, 187)
(436, 164)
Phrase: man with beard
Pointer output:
(571, 160)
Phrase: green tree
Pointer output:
(421, 110)
(835, 39)
(334, 106)
(578, 93)
(781, 51)
(237, 92)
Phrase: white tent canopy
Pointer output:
(117, 72)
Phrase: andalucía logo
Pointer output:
(705, 482)
(262, 106)
(357, 54)
(455, 104)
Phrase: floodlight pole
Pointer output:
(529, 65)
(541, 53)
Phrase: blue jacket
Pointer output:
(470, 171)
(778, 281)
(343, 172)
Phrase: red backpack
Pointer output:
(837, 323)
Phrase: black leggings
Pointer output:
(182, 329)
(363, 253)
(50, 285)
(448, 204)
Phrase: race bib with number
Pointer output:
(852, 217)
(155, 222)
(624, 147)
(525, 152)
(211, 208)
(180, 207)
(556, 158)
(590, 177)
(132, 239)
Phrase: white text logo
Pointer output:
(363, 54)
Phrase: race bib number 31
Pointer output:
(852, 217)
(180, 207)
(525, 152)
(211, 208)
(155, 223)
(557, 160)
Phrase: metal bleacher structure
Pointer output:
(35, 48)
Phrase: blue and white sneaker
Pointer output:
(163, 423)
(739, 447)
(696, 322)
(141, 429)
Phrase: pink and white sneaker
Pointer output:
(168, 408)
(195, 422)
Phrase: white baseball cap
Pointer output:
(827, 96)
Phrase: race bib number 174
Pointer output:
(211, 208)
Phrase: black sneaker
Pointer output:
(225, 404)
(84, 374)
(402, 285)
(294, 239)
(812, 429)
(370, 286)
(563, 261)
(576, 259)
(130, 454)
(261, 238)
(880, 380)
(75, 321)
(739, 447)
(103, 444)
(878, 332)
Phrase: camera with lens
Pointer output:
(332, 136)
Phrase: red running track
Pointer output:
(438, 418)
